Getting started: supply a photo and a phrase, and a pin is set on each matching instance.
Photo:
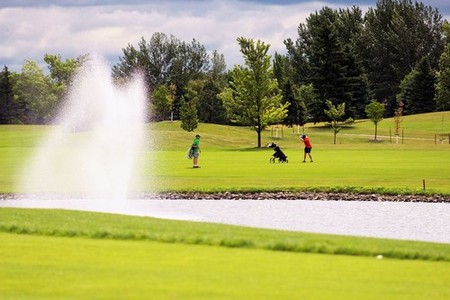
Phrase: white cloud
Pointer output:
(30, 32)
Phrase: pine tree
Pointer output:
(420, 91)
(443, 80)
(327, 61)
(7, 113)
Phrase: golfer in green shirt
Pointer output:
(196, 150)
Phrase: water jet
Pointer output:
(92, 147)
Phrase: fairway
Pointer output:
(385, 167)
(57, 267)
(230, 160)
(53, 254)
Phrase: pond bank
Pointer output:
(281, 195)
(298, 195)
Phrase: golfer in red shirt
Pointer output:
(308, 147)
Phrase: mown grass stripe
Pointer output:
(64, 223)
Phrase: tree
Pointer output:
(396, 35)
(164, 60)
(420, 91)
(253, 97)
(326, 56)
(297, 112)
(335, 113)
(61, 72)
(188, 107)
(375, 111)
(327, 61)
(7, 113)
(162, 102)
(35, 89)
(210, 106)
(398, 116)
(443, 80)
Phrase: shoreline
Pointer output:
(280, 195)
(323, 196)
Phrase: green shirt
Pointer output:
(195, 144)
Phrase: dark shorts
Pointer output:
(308, 150)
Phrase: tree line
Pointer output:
(397, 53)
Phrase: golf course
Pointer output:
(54, 254)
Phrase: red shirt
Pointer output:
(307, 142)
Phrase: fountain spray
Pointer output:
(91, 150)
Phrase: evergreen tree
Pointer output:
(420, 92)
(296, 111)
(443, 81)
(188, 107)
(7, 113)
(210, 107)
(327, 61)
(397, 34)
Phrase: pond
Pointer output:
(397, 220)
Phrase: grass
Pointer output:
(67, 254)
(230, 160)
(109, 226)
(38, 267)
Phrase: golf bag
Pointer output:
(278, 155)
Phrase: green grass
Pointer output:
(230, 160)
(37, 267)
(58, 254)
(109, 226)
(65, 254)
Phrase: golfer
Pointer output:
(196, 150)
(308, 147)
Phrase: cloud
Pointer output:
(30, 32)
(74, 28)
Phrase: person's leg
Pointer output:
(304, 156)
(196, 160)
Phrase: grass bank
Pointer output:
(54, 254)
(109, 226)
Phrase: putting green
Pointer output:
(54, 267)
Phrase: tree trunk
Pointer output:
(259, 138)
(376, 129)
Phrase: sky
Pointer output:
(31, 28)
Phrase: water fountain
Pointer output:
(90, 156)
(91, 149)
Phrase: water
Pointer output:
(396, 220)
(92, 148)
(91, 153)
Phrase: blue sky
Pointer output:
(29, 29)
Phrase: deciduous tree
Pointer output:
(335, 114)
(253, 97)
(375, 111)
